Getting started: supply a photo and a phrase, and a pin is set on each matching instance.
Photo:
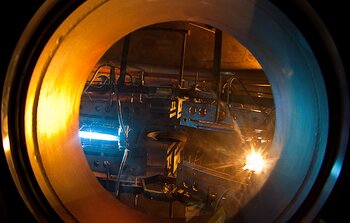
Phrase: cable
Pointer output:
(94, 75)
(220, 198)
(121, 167)
(125, 130)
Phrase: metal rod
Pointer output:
(111, 86)
(202, 27)
(125, 130)
(217, 68)
(136, 200)
(182, 31)
(217, 60)
(121, 167)
(171, 210)
(182, 66)
(124, 60)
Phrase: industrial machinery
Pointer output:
(152, 142)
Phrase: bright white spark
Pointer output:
(254, 162)
(97, 136)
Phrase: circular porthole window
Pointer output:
(281, 125)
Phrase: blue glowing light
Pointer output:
(336, 169)
(97, 136)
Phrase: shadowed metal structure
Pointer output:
(49, 108)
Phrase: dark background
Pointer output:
(335, 15)
(14, 17)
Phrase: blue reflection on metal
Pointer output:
(98, 136)
(336, 169)
(119, 130)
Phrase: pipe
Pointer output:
(124, 60)
(182, 64)
(202, 27)
(121, 167)
(217, 69)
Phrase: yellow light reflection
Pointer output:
(54, 113)
(6, 144)
(255, 162)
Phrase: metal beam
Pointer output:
(182, 66)
(124, 60)
(217, 68)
